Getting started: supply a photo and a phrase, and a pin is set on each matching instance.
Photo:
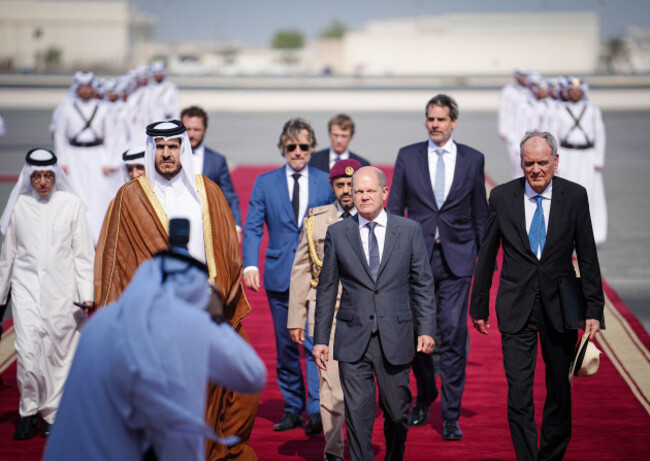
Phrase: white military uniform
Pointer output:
(513, 97)
(164, 96)
(581, 147)
(47, 262)
(74, 143)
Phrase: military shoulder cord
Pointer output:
(317, 263)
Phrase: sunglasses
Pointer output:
(292, 147)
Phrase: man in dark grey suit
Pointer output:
(380, 260)
(341, 130)
(208, 162)
(538, 220)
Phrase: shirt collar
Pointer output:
(531, 194)
(199, 149)
(448, 147)
(289, 171)
(382, 219)
(344, 155)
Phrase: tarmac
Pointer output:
(245, 124)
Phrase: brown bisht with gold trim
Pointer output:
(136, 228)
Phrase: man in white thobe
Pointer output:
(139, 378)
(47, 263)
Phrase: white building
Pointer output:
(72, 35)
(470, 44)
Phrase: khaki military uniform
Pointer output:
(302, 304)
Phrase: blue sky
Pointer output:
(254, 22)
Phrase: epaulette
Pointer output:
(318, 210)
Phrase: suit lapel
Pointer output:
(423, 163)
(282, 182)
(392, 233)
(520, 215)
(354, 237)
(457, 180)
(557, 203)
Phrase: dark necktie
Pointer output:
(373, 250)
(295, 197)
(345, 214)
(537, 232)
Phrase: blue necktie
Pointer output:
(537, 232)
(439, 184)
(373, 250)
(337, 159)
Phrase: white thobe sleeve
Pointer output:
(83, 255)
(234, 363)
(7, 257)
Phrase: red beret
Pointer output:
(344, 168)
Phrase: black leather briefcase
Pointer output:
(574, 305)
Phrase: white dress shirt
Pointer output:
(449, 159)
(380, 233)
(303, 182)
(530, 205)
(333, 155)
(178, 202)
(197, 159)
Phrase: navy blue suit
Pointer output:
(270, 204)
(215, 168)
(321, 160)
(461, 223)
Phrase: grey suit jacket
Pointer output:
(404, 275)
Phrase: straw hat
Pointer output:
(586, 361)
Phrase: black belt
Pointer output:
(97, 142)
(568, 145)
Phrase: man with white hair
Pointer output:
(47, 264)
(80, 137)
(153, 352)
(137, 228)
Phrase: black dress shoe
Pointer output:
(419, 414)
(289, 421)
(329, 457)
(451, 430)
(27, 428)
(314, 424)
(45, 430)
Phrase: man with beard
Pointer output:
(442, 186)
(208, 162)
(281, 198)
(137, 228)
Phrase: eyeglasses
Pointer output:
(292, 147)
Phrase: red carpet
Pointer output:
(609, 423)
